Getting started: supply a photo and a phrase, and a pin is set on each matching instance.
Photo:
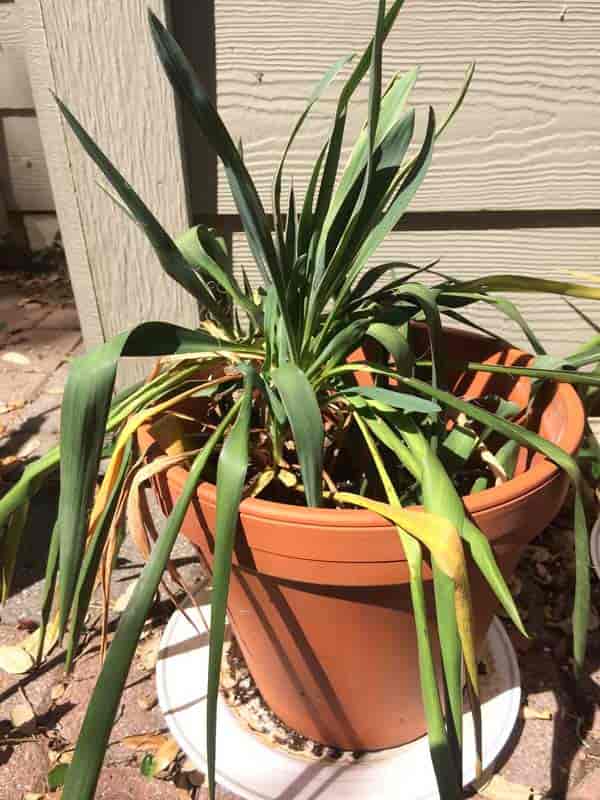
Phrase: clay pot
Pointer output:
(319, 599)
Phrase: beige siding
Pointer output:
(529, 133)
(24, 182)
(15, 89)
(85, 52)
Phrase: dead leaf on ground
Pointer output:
(6, 408)
(148, 651)
(23, 718)
(148, 742)
(29, 448)
(147, 701)
(120, 604)
(58, 691)
(527, 712)
(12, 357)
(498, 788)
(15, 660)
(32, 642)
(165, 755)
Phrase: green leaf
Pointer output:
(147, 766)
(56, 776)
(86, 579)
(231, 476)
(536, 442)
(525, 283)
(251, 211)
(315, 96)
(406, 402)
(334, 149)
(304, 414)
(201, 249)
(441, 757)
(396, 345)
(342, 344)
(393, 104)
(90, 750)
(507, 307)
(167, 252)
(85, 406)
(399, 203)
(560, 375)
(9, 548)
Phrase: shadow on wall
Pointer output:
(193, 25)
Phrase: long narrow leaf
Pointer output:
(86, 402)
(168, 254)
(231, 475)
(304, 414)
(83, 772)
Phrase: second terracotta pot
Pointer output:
(320, 600)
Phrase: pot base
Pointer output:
(256, 770)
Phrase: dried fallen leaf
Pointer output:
(23, 718)
(150, 742)
(58, 691)
(32, 642)
(527, 712)
(33, 796)
(12, 357)
(147, 701)
(498, 788)
(28, 448)
(120, 603)
(6, 408)
(15, 660)
(165, 755)
(148, 651)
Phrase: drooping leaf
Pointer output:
(441, 757)
(250, 208)
(304, 414)
(85, 406)
(82, 777)
(171, 260)
(231, 476)
(409, 403)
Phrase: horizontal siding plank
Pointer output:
(547, 253)
(15, 89)
(23, 172)
(527, 136)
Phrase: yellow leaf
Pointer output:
(15, 358)
(15, 660)
(165, 755)
(498, 788)
(148, 742)
(122, 600)
(23, 718)
(527, 712)
(32, 642)
(169, 433)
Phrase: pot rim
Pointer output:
(542, 472)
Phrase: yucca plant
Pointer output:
(280, 390)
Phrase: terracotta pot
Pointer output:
(320, 600)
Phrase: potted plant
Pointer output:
(351, 470)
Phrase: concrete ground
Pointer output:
(550, 755)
